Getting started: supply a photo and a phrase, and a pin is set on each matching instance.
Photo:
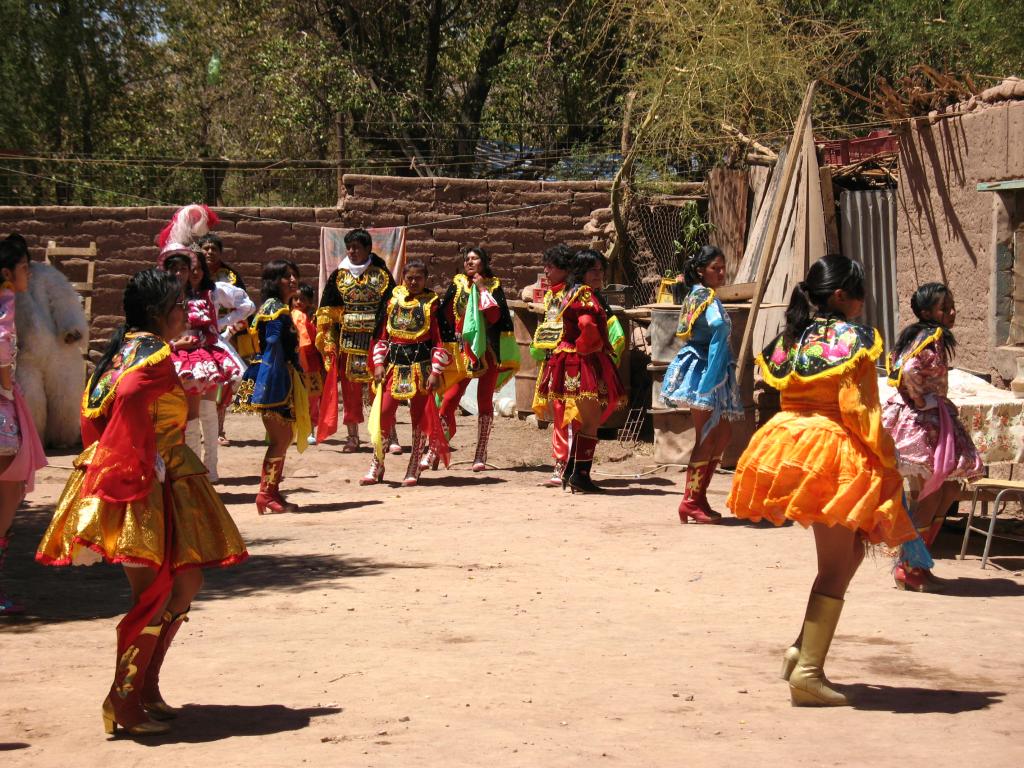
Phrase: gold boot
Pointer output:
(789, 660)
(152, 700)
(123, 705)
(808, 686)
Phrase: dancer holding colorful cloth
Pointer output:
(477, 326)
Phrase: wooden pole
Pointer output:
(768, 255)
(339, 128)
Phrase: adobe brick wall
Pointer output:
(252, 236)
(949, 231)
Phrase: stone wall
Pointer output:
(252, 236)
(949, 231)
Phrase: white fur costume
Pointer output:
(50, 370)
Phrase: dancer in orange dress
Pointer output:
(139, 497)
(824, 460)
(303, 305)
(581, 375)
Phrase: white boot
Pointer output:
(208, 419)
(193, 436)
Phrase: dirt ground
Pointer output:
(480, 619)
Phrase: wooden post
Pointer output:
(339, 129)
(828, 205)
(768, 255)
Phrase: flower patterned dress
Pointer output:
(930, 439)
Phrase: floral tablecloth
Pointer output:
(994, 418)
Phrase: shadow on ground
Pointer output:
(915, 701)
(53, 595)
(202, 723)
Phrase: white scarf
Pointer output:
(356, 269)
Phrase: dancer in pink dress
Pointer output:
(934, 449)
(202, 357)
(21, 452)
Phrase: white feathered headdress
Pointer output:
(186, 226)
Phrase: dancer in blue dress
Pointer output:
(702, 377)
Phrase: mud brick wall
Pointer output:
(252, 236)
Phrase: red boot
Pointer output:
(269, 500)
(123, 705)
(703, 501)
(690, 507)
(152, 701)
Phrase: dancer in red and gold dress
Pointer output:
(140, 498)
(581, 376)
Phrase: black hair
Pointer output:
(210, 237)
(206, 281)
(828, 274)
(582, 263)
(150, 294)
(20, 243)
(559, 256)
(485, 259)
(272, 272)
(416, 264)
(11, 255)
(924, 298)
(308, 293)
(693, 265)
(360, 236)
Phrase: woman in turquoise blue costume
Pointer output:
(703, 378)
(273, 385)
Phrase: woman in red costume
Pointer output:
(581, 375)
(140, 498)
(408, 360)
(478, 283)
(557, 261)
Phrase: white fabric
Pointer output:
(193, 436)
(208, 420)
(233, 298)
(356, 269)
(51, 371)
(486, 300)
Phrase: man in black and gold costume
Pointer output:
(352, 305)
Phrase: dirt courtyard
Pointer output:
(483, 620)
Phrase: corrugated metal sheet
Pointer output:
(867, 233)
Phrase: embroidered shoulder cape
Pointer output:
(694, 305)
(828, 347)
